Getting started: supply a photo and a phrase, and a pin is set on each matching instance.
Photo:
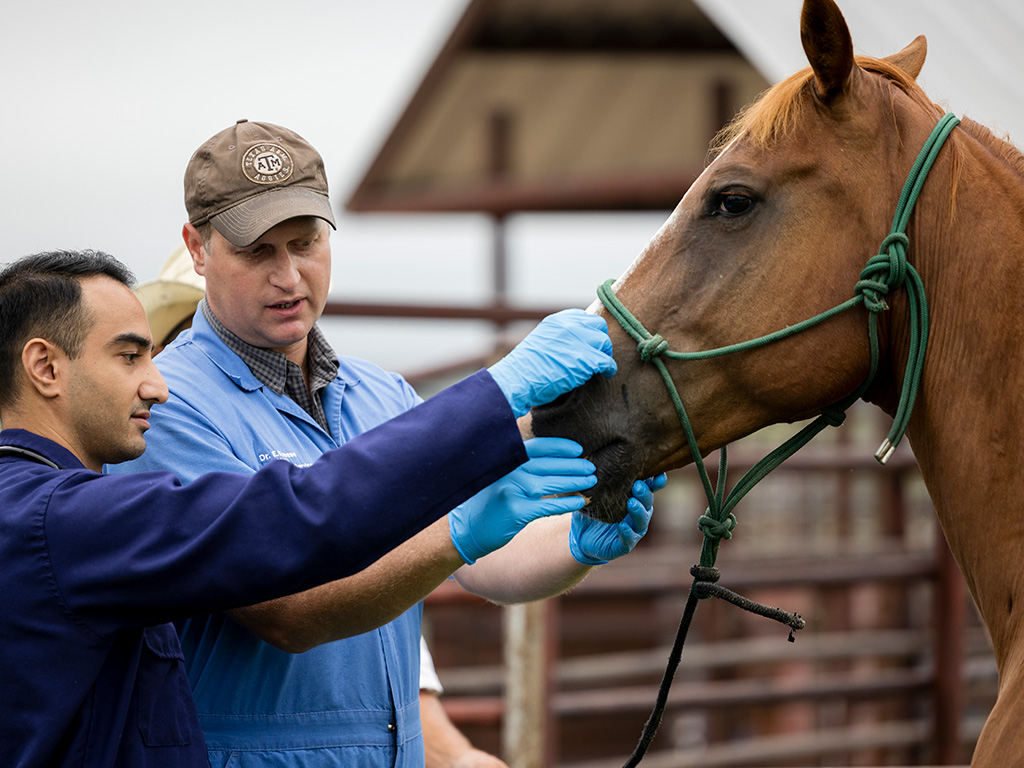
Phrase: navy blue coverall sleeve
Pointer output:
(144, 549)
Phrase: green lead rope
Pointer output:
(887, 271)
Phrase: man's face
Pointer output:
(112, 385)
(270, 293)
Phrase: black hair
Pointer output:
(41, 296)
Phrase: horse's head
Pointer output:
(777, 229)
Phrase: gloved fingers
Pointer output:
(572, 325)
(537, 447)
(574, 320)
(605, 364)
(657, 482)
(633, 526)
(551, 465)
(560, 354)
(536, 486)
(592, 542)
(590, 331)
(555, 505)
(597, 346)
(642, 493)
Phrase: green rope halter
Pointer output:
(884, 272)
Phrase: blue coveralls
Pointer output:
(352, 702)
(94, 566)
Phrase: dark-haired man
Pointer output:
(94, 566)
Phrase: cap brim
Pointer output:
(243, 224)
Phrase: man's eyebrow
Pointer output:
(131, 338)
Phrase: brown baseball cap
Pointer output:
(251, 177)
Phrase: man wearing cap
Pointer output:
(254, 380)
(170, 302)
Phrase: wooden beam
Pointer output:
(642, 192)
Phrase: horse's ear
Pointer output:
(829, 48)
(911, 58)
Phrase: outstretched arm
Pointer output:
(407, 574)
(535, 565)
(359, 603)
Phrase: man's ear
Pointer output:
(196, 248)
(45, 367)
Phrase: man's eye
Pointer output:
(733, 204)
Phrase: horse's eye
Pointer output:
(733, 205)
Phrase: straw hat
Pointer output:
(173, 296)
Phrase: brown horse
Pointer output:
(777, 229)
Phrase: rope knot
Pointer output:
(705, 573)
(717, 529)
(653, 347)
(874, 293)
(895, 239)
(885, 271)
(834, 417)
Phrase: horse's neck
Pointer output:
(968, 426)
(971, 257)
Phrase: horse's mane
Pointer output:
(1001, 147)
(774, 113)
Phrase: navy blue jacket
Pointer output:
(92, 567)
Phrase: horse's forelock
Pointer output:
(767, 118)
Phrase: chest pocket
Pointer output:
(165, 713)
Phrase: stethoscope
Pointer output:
(25, 453)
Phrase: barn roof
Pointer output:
(547, 105)
(562, 104)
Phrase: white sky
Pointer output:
(105, 101)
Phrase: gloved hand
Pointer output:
(492, 517)
(592, 542)
(561, 353)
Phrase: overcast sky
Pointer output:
(104, 102)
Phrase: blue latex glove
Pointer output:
(592, 542)
(492, 517)
(561, 353)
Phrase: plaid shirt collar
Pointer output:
(283, 377)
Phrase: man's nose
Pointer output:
(285, 272)
(153, 387)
